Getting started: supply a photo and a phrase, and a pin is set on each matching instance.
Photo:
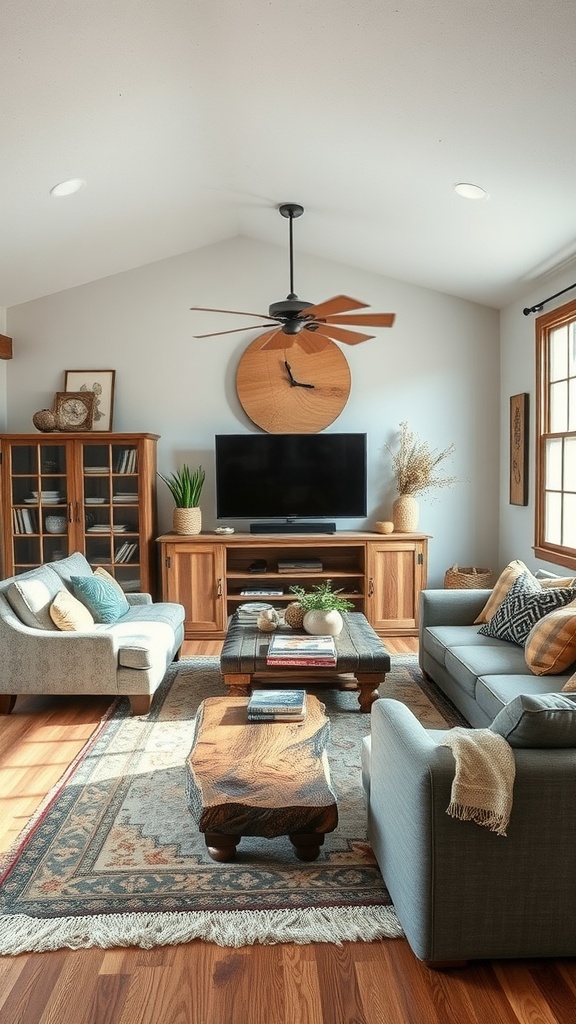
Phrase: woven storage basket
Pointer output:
(467, 578)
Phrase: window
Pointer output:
(556, 436)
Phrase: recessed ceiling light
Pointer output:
(68, 188)
(468, 191)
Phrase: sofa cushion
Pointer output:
(465, 664)
(436, 640)
(31, 595)
(106, 601)
(69, 614)
(545, 720)
(524, 605)
(494, 692)
(551, 644)
(73, 565)
(505, 580)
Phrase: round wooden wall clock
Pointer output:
(289, 391)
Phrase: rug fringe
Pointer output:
(23, 934)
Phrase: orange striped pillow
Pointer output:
(551, 644)
(507, 577)
(570, 684)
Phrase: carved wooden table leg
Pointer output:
(368, 683)
(306, 844)
(221, 848)
(238, 685)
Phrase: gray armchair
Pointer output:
(460, 891)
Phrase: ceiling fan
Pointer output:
(311, 326)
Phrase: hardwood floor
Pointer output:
(200, 983)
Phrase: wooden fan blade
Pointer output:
(339, 334)
(337, 304)
(311, 341)
(235, 330)
(236, 312)
(277, 339)
(364, 319)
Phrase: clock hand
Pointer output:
(295, 383)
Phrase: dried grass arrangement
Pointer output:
(415, 464)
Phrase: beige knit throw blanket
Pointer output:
(484, 777)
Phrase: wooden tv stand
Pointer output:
(382, 574)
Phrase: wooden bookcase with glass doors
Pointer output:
(90, 492)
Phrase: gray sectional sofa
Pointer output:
(479, 674)
(128, 656)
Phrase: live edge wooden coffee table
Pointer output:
(260, 778)
(362, 661)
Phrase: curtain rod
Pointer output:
(539, 305)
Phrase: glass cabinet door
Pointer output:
(111, 510)
(41, 516)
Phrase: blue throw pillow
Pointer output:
(101, 597)
(524, 605)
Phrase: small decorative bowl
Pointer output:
(384, 527)
(55, 524)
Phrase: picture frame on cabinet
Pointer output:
(519, 449)
(101, 383)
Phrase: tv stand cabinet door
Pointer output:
(396, 574)
(193, 575)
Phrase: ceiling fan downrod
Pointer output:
(289, 310)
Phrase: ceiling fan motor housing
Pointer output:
(289, 311)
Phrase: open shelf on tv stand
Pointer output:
(293, 526)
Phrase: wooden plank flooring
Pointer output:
(200, 983)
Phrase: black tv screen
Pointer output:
(290, 476)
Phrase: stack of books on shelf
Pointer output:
(24, 521)
(127, 461)
(126, 551)
(277, 706)
(262, 592)
(249, 612)
(301, 650)
(291, 565)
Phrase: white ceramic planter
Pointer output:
(323, 623)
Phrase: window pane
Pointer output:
(559, 353)
(553, 534)
(572, 404)
(570, 464)
(569, 537)
(558, 407)
(572, 351)
(553, 480)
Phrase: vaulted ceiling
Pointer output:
(191, 120)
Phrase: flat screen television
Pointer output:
(290, 477)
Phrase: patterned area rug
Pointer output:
(114, 858)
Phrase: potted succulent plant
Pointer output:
(322, 608)
(185, 487)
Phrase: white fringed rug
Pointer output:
(114, 858)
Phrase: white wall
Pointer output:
(438, 368)
(518, 373)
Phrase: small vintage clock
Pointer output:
(290, 391)
(74, 410)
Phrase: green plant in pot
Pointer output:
(185, 486)
(322, 608)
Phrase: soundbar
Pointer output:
(292, 527)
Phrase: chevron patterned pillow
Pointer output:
(524, 605)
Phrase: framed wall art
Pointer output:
(101, 383)
(519, 449)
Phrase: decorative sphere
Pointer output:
(268, 620)
(44, 420)
(294, 615)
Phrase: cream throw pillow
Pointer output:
(570, 684)
(507, 577)
(104, 575)
(69, 614)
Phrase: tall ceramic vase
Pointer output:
(187, 520)
(405, 514)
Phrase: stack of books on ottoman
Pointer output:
(277, 706)
(296, 650)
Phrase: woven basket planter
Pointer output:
(467, 578)
(187, 520)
